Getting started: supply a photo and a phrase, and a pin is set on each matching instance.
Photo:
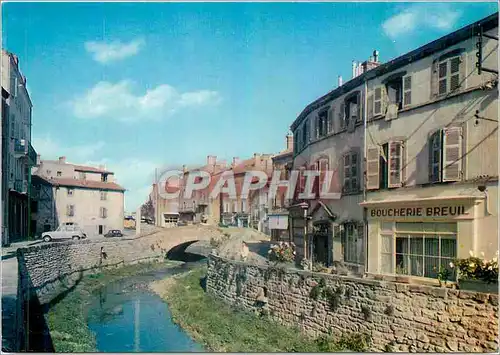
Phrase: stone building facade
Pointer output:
(414, 167)
(85, 195)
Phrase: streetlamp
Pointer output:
(305, 206)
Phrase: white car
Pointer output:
(65, 231)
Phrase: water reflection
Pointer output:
(127, 317)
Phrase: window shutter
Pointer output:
(395, 164)
(315, 127)
(331, 112)
(67, 210)
(360, 108)
(347, 172)
(407, 90)
(377, 101)
(435, 153)
(373, 168)
(342, 116)
(434, 79)
(455, 64)
(462, 74)
(452, 154)
(443, 78)
(354, 171)
(370, 102)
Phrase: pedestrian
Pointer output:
(244, 251)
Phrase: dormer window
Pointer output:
(350, 111)
(104, 177)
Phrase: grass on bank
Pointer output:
(67, 320)
(221, 328)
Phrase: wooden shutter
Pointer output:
(347, 172)
(455, 64)
(360, 107)
(370, 103)
(373, 168)
(435, 156)
(354, 176)
(377, 101)
(452, 154)
(443, 77)
(331, 113)
(315, 182)
(315, 127)
(342, 116)
(434, 79)
(395, 164)
(407, 90)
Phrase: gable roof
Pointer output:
(80, 183)
(90, 169)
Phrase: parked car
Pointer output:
(113, 233)
(64, 231)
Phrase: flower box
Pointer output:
(477, 286)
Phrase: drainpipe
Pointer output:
(365, 171)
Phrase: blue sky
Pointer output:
(142, 85)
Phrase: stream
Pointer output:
(126, 316)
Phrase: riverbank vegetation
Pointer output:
(221, 328)
(67, 320)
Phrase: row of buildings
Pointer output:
(38, 195)
(414, 144)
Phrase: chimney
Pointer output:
(354, 66)
(256, 159)
(236, 161)
(62, 160)
(340, 80)
(211, 159)
(289, 141)
(359, 69)
(375, 56)
(184, 168)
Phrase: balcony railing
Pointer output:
(23, 148)
(21, 186)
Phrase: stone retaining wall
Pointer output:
(398, 317)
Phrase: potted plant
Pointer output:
(283, 252)
(478, 274)
(443, 275)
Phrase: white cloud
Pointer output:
(419, 16)
(106, 52)
(118, 101)
(50, 149)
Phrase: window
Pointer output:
(70, 192)
(104, 195)
(322, 124)
(235, 206)
(305, 135)
(104, 212)
(448, 75)
(243, 205)
(70, 210)
(104, 177)
(417, 249)
(82, 175)
(59, 173)
(226, 207)
(49, 172)
(352, 240)
(385, 165)
(350, 111)
(351, 172)
(445, 155)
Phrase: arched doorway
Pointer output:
(322, 232)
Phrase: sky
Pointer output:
(139, 86)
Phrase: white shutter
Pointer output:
(435, 152)
(452, 154)
(342, 116)
(395, 164)
(455, 64)
(377, 101)
(369, 105)
(443, 78)
(407, 90)
(373, 168)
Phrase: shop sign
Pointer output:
(441, 211)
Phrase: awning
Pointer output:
(444, 199)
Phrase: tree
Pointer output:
(148, 210)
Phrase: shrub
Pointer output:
(476, 268)
(283, 252)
